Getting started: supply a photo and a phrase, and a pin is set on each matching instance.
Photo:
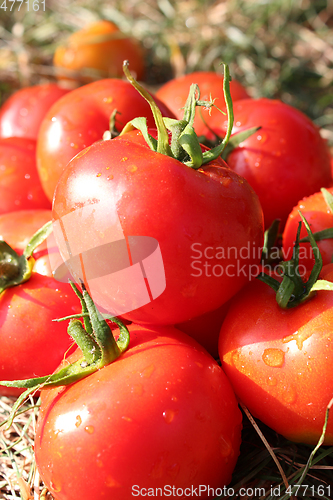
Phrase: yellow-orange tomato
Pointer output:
(98, 51)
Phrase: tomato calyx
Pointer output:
(95, 340)
(293, 290)
(185, 144)
(16, 269)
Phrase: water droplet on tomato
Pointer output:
(147, 372)
(137, 389)
(109, 177)
(90, 429)
(289, 395)
(262, 137)
(110, 482)
(54, 486)
(271, 381)
(78, 421)
(169, 415)
(99, 174)
(273, 357)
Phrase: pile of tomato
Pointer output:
(165, 231)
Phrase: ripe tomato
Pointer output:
(20, 187)
(22, 113)
(319, 216)
(205, 329)
(162, 414)
(199, 228)
(174, 94)
(28, 348)
(98, 51)
(279, 361)
(284, 161)
(80, 118)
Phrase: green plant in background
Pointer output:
(276, 48)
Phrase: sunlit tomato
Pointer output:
(80, 118)
(319, 216)
(203, 225)
(23, 112)
(284, 161)
(174, 94)
(162, 414)
(20, 187)
(279, 362)
(98, 51)
(31, 343)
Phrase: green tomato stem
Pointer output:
(163, 146)
(16, 269)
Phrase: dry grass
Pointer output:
(277, 48)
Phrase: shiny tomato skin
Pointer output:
(156, 196)
(279, 362)
(162, 414)
(319, 216)
(23, 112)
(20, 187)
(284, 161)
(80, 118)
(174, 94)
(31, 343)
(102, 48)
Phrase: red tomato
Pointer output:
(279, 361)
(20, 187)
(319, 217)
(205, 225)
(23, 112)
(205, 329)
(162, 414)
(98, 51)
(28, 348)
(284, 161)
(80, 118)
(174, 94)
